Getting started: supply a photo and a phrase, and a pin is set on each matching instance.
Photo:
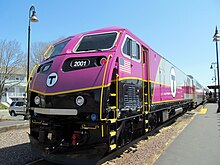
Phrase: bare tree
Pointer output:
(38, 49)
(11, 58)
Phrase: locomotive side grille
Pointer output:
(131, 97)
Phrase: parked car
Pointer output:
(17, 108)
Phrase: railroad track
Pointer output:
(120, 150)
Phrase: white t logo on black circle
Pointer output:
(52, 79)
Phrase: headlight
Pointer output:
(80, 100)
(37, 100)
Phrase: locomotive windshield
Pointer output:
(97, 42)
(56, 49)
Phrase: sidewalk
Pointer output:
(198, 144)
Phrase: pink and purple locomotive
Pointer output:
(97, 91)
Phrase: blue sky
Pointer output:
(181, 31)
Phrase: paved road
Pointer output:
(198, 144)
(6, 120)
(5, 115)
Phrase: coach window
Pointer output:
(131, 49)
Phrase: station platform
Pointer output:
(199, 143)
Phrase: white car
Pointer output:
(17, 108)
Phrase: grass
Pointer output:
(3, 106)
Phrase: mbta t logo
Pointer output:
(52, 79)
(173, 82)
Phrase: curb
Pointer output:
(4, 110)
(12, 127)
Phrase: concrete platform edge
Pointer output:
(12, 127)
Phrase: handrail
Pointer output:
(143, 93)
(29, 78)
(148, 83)
(130, 117)
(48, 50)
(102, 88)
(117, 95)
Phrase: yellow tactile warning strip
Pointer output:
(202, 111)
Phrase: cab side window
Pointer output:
(131, 48)
(127, 47)
(137, 55)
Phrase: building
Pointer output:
(15, 86)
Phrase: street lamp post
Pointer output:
(213, 66)
(216, 38)
(31, 18)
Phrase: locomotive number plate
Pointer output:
(79, 63)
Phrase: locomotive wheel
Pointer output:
(152, 121)
(126, 134)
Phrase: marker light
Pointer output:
(80, 100)
(93, 117)
(37, 100)
(103, 61)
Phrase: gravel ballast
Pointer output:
(15, 147)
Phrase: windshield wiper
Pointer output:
(98, 50)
